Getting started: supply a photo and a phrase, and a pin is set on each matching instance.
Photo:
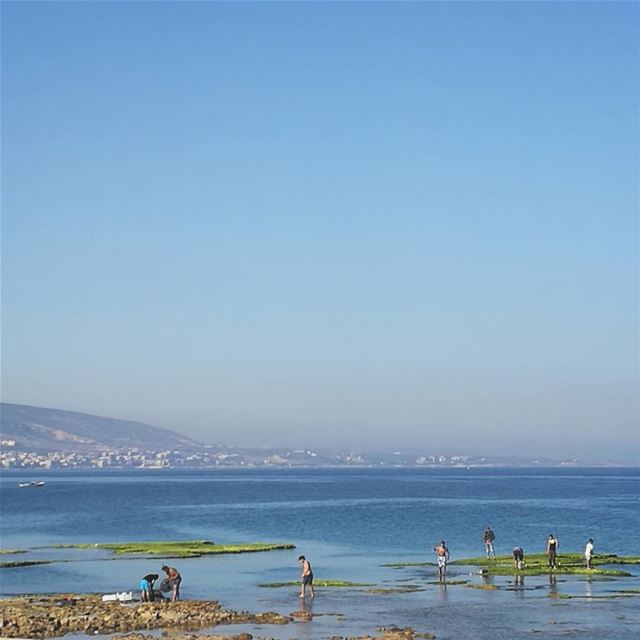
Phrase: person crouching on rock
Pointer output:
(146, 587)
(173, 580)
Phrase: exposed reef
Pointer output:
(180, 548)
(537, 564)
(23, 563)
(317, 583)
(51, 616)
(385, 633)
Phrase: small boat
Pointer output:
(31, 484)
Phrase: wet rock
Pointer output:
(394, 633)
(269, 618)
(301, 615)
(42, 618)
(140, 636)
(391, 633)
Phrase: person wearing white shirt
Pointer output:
(588, 553)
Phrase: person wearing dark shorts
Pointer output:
(306, 577)
(173, 581)
(518, 558)
(552, 550)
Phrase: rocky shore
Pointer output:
(384, 634)
(53, 616)
(392, 633)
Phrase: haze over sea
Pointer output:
(349, 523)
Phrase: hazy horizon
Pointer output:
(468, 446)
(413, 225)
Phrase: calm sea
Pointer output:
(349, 523)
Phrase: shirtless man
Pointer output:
(442, 553)
(174, 579)
(306, 577)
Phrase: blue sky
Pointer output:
(326, 224)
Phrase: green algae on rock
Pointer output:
(23, 563)
(600, 596)
(614, 559)
(539, 570)
(408, 588)
(402, 565)
(180, 548)
(484, 587)
(536, 564)
(317, 583)
(563, 559)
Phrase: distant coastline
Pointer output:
(33, 471)
(39, 439)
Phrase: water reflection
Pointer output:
(305, 609)
(588, 587)
(553, 583)
(487, 578)
(442, 593)
(306, 605)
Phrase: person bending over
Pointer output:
(173, 579)
(146, 587)
(518, 558)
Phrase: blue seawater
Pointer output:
(365, 511)
(349, 522)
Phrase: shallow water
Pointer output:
(349, 523)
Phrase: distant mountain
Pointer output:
(40, 429)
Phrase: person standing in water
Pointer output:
(442, 553)
(306, 577)
(588, 554)
(173, 579)
(488, 539)
(552, 550)
(146, 587)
